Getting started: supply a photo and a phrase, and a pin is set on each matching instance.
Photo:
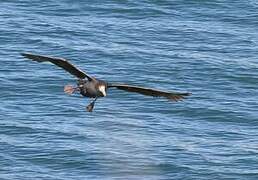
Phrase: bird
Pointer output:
(94, 88)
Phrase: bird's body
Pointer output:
(92, 87)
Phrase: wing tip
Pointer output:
(27, 55)
(180, 97)
(24, 54)
(187, 94)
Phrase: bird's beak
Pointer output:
(102, 89)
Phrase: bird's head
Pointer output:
(102, 90)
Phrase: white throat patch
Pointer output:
(102, 89)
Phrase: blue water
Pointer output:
(208, 48)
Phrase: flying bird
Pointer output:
(91, 87)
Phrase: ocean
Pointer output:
(208, 48)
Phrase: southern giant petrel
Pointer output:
(92, 87)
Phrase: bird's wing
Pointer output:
(174, 96)
(63, 63)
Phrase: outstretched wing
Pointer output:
(63, 63)
(174, 96)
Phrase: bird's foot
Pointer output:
(90, 107)
(69, 89)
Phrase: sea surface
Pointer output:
(208, 48)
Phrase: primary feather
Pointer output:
(150, 92)
(63, 63)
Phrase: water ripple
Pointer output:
(206, 48)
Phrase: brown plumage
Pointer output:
(63, 63)
(94, 88)
(150, 92)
